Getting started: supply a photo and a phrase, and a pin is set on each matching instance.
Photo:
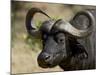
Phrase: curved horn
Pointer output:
(67, 27)
(33, 30)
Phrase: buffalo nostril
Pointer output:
(44, 57)
(47, 57)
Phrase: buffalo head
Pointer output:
(55, 36)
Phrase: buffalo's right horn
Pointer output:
(69, 28)
(30, 15)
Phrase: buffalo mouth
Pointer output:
(46, 65)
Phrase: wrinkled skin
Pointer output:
(57, 47)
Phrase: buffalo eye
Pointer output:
(60, 40)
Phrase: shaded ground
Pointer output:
(24, 52)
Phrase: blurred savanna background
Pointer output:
(24, 48)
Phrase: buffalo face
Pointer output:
(54, 50)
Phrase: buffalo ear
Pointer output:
(78, 50)
(83, 55)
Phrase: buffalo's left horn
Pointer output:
(68, 28)
(33, 30)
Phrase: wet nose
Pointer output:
(44, 57)
(44, 60)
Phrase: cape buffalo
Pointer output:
(71, 45)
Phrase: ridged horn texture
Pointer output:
(30, 15)
(70, 29)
